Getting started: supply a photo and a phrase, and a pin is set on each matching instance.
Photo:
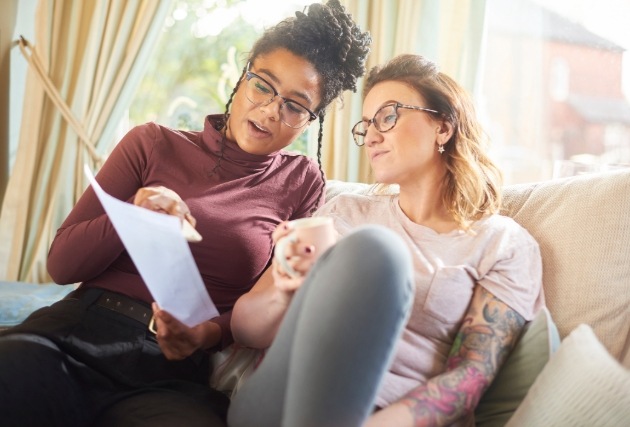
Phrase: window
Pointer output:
(553, 85)
(559, 79)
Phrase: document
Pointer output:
(162, 256)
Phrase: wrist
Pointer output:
(281, 298)
(211, 336)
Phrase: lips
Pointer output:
(258, 130)
(377, 154)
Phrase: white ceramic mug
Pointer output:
(318, 232)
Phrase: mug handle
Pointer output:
(278, 253)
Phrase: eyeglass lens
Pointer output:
(384, 119)
(260, 92)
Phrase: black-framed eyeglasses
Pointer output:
(260, 92)
(384, 120)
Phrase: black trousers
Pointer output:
(76, 363)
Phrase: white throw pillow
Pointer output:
(581, 386)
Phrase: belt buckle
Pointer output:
(152, 327)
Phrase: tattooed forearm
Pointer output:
(447, 397)
(485, 338)
(488, 332)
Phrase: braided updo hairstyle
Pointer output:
(329, 39)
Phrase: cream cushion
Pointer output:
(582, 224)
(581, 386)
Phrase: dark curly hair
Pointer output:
(329, 39)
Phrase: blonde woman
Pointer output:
(408, 318)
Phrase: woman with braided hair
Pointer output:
(90, 359)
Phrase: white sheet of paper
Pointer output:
(162, 256)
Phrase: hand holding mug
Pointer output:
(305, 240)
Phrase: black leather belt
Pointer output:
(125, 305)
(120, 304)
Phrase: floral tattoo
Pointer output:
(487, 335)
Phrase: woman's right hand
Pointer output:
(257, 314)
(165, 200)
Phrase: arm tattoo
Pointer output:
(487, 335)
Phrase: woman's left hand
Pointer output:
(179, 341)
(392, 415)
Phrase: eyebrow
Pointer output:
(294, 93)
(390, 102)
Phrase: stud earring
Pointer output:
(440, 148)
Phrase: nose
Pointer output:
(272, 108)
(372, 135)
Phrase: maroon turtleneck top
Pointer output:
(236, 207)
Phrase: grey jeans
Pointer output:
(337, 338)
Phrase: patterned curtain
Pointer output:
(84, 64)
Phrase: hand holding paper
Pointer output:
(164, 200)
(162, 256)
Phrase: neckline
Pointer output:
(414, 227)
(235, 160)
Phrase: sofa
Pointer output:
(571, 365)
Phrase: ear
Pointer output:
(444, 132)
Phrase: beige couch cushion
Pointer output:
(583, 227)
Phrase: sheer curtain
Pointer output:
(449, 32)
(85, 62)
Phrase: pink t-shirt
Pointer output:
(237, 206)
(497, 253)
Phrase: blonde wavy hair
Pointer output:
(473, 182)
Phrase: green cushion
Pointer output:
(538, 341)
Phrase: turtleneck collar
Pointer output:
(235, 160)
